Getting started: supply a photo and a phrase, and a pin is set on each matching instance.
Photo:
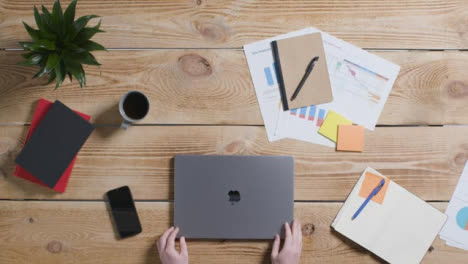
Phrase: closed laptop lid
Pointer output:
(233, 197)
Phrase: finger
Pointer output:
(299, 231)
(296, 229)
(276, 245)
(163, 239)
(287, 231)
(183, 247)
(171, 239)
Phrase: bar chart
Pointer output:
(309, 113)
(270, 75)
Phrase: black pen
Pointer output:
(309, 69)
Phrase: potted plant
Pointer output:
(61, 45)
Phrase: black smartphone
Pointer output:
(124, 212)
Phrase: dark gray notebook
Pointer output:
(54, 144)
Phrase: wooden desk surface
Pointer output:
(187, 56)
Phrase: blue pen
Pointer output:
(372, 194)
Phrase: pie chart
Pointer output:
(462, 218)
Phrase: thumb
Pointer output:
(183, 247)
(276, 245)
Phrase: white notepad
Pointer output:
(400, 230)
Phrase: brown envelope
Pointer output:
(292, 57)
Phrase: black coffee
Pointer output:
(136, 106)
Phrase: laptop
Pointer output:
(233, 197)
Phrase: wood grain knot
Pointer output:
(236, 147)
(308, 229)
(199, 2)
(54, 246)
(195, 65)
(461, 158)
(457, 89)
(461, 28)
(31, 220)
(211, 31)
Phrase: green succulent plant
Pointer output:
(61, 45)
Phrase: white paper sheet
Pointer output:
(303, 124)
(262, 70)
(457, 245)
(455, 231)
(361, 83)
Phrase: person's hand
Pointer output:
(291, 251)
(167, 251)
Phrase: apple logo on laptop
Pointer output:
(234, 196)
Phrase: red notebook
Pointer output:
(42, 108)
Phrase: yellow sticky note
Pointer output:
(329, 128)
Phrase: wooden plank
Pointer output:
(57, 232)
(401, 24)
(214, 87)
(426, 160)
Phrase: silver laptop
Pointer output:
(233, 197)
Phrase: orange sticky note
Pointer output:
(368, 185)
(350, 138)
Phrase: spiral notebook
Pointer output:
(400, 229)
